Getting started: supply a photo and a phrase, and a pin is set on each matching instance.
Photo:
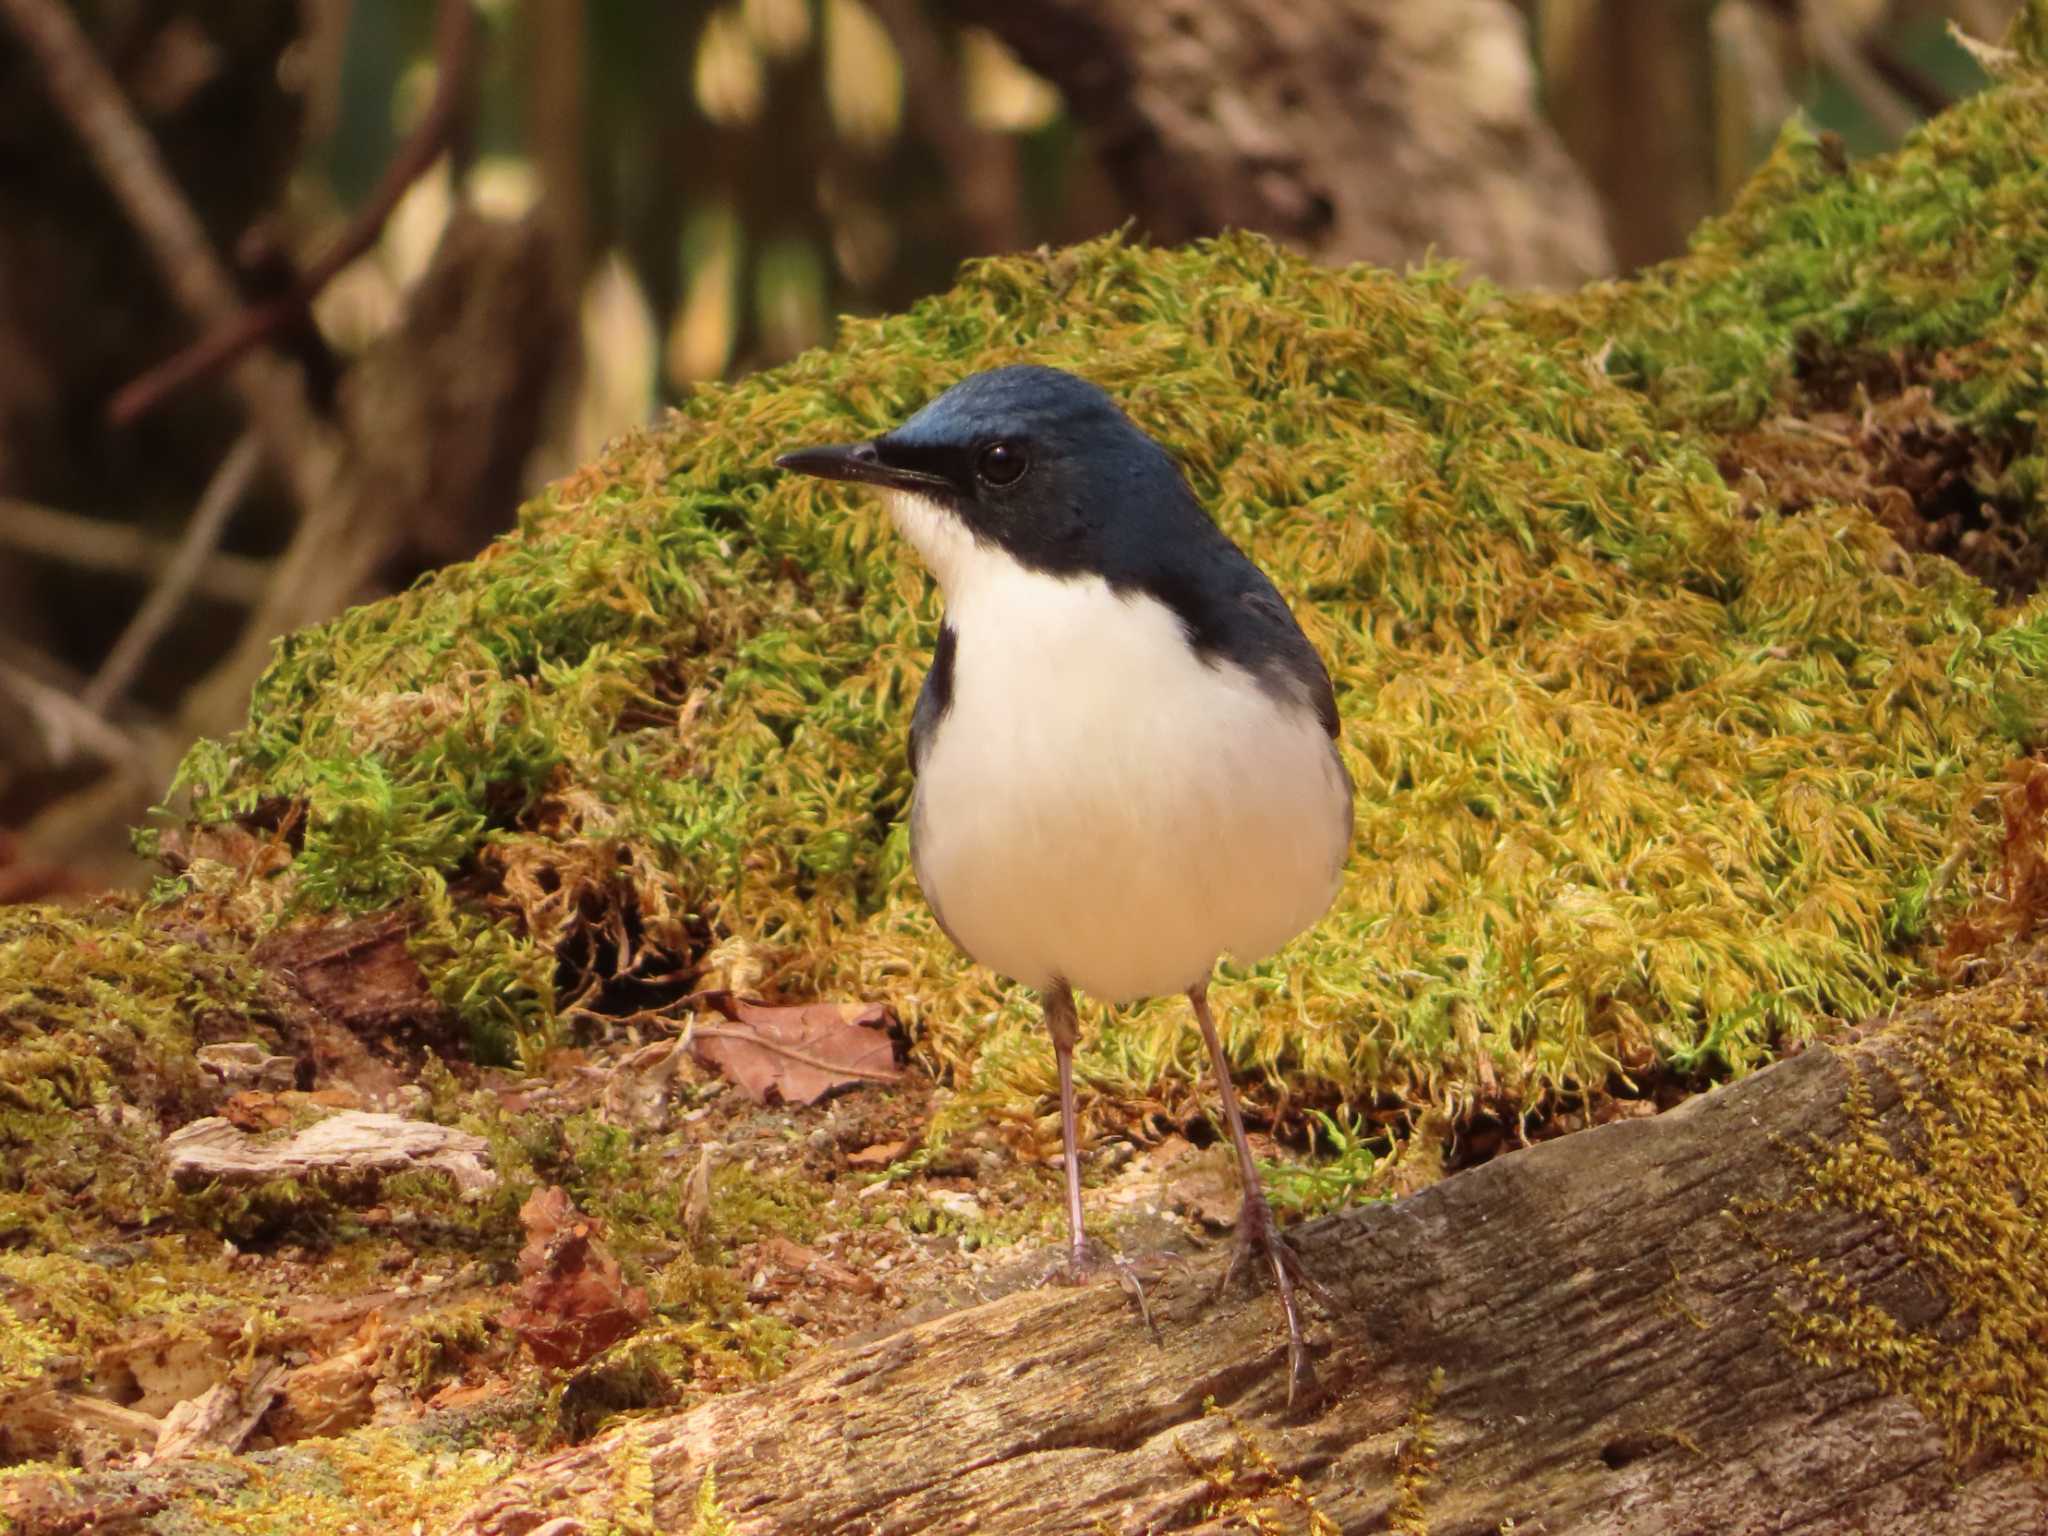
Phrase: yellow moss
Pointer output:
(1415, 1461)
(710, 1518)
(371, 1479)
(1956, 1181)
(60, 1309)
(1249, 1492)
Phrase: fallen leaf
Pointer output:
(809, 1264)
(880, 1155)
(256, 1110)
(459, 1394)
(796, 1053)
(574, 1303)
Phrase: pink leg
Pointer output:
(1256, 1229)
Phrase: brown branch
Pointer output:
(89, 98)
(1906, 78)
(454, 54)
(217, 503)
(1880, 66)
(68, 728)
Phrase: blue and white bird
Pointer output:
(1125, 751)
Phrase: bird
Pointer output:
(1124, 755)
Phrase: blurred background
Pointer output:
(297, 300)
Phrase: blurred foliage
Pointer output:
(747, 169)
(750, 169)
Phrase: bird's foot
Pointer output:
(1258, 1234)
(1088, 1261)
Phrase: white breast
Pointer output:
(1101, 806)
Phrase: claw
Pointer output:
(1256, 1231)
(1084, 1265)
(1255, 1226)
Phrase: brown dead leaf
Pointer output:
(796, 1054)
(880, 1155)
(2014, 903)
(256, 1110)
(461, 1394)
(574, 1303)
(809, 1264)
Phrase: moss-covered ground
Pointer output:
(1690, 661)
(1653, 771)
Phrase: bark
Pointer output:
(1631, 85)
(1573, 1338)
(1356, 130)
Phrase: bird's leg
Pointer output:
(1064, 1025)
(1255, 1225)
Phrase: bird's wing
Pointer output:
(1294, 651)
(934, 698)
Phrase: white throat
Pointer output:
(959, 561)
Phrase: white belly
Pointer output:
(1102, 807)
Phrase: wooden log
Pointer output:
(1610, 1332)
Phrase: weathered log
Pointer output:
(1610, 1332)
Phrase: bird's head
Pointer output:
(1024, 463)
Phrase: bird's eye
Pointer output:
(1001, 463)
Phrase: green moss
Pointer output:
(1956, 1184)
(1923, 262)
(1644, 776)
(58, 1309)
(100, 1014)
(1344, 1170)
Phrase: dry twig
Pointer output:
(217, 503)
(97, 544)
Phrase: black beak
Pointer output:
(861, 463)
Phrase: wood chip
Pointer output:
(220, 1418)
(344, 1147)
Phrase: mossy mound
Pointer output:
(1648, 773)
